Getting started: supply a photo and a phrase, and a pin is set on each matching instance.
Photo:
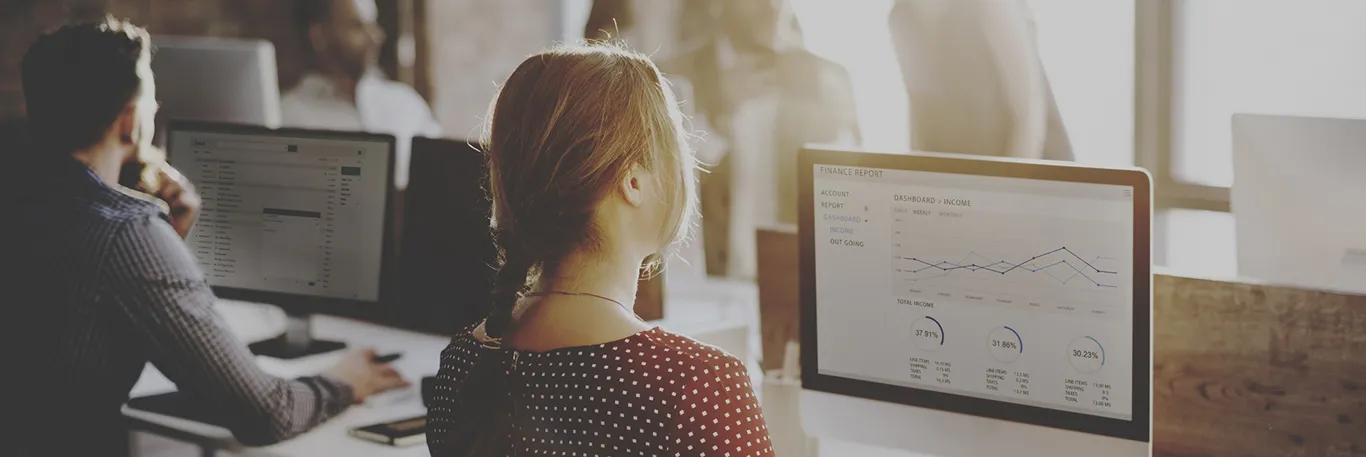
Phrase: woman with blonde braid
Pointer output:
(592, 183)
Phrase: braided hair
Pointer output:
(566, 127)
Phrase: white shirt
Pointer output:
(974, 78)
(382, 106)
(753, 149)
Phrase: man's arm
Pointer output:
(152, 277)
(1057, 145)
(426, 123)
(838, 87)
(1013, 48)
(431, 128)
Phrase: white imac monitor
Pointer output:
(293, 218)
(1299, 200)
(217, 79)
(963, 307)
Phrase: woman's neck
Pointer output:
(556, 321)
(611, 276)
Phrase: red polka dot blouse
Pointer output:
(654, 393)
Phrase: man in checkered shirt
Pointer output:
(97, 280)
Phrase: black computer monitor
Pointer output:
(293, 218)
(446, 251)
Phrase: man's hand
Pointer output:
(366, 376)
(180, 196)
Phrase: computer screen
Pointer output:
(994, 288)
(289, 212)
(446, 249)
(241, 73)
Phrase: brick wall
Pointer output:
(20, 21)
(23, 20)
(470, 46)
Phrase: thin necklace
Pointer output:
(585, 294)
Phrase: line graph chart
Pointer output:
(1031, 261)
(1087, 270)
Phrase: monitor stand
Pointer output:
(297, 340)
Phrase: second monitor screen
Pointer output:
(287, 214)
(1005, 289)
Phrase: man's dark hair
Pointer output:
(313, 12)
(78, 79)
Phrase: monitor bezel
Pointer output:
(301, 304)
(1137, 429)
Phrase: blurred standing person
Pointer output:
(609, 19)
(765, 96)
(346, 90)
(650, 26)
(974, 79)
(632, 22)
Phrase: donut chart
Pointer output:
(1005, 344)
(928, 334)
(1086, 354)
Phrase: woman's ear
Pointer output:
(633, 186)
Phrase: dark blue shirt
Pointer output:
(97, 284)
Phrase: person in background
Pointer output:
(591, 179)
(646, 25)
(619, 21)
(765, 96)
(974, 79)
(346, 90)
(607, 19)
(98, 278)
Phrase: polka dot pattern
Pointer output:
(654, 393)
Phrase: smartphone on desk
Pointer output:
(399, 433)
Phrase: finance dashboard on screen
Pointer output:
(287, 213)
(998, 288)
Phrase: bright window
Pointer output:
(1200, 243)
(1305, 57)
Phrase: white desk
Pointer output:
(720, 313)
(421, 357)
